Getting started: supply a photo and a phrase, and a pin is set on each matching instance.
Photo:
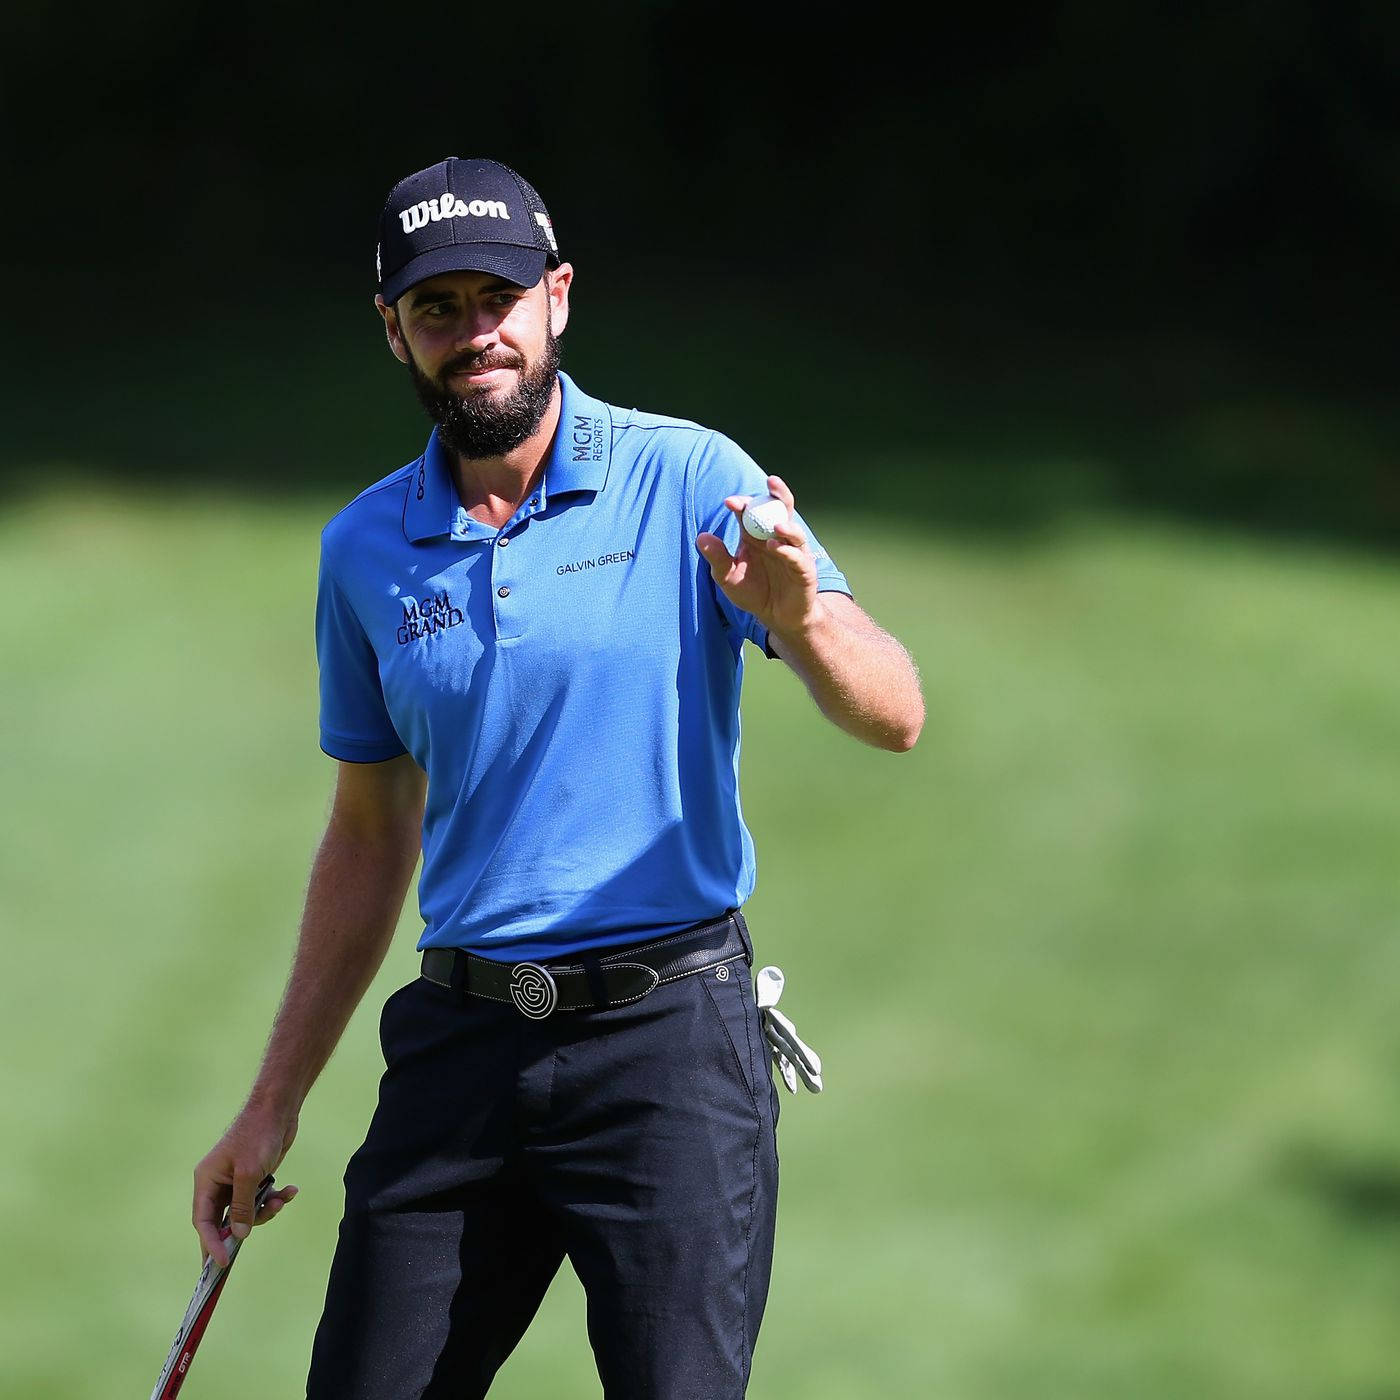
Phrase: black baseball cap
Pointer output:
(463, 215)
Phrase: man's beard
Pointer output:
(488, 424)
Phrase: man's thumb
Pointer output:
(714, 552)
(240, 1212)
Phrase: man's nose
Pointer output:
(476, 331)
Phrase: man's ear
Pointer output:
(392, 333)
(560, 280)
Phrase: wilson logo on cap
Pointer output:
(448, 206)
(499, 226)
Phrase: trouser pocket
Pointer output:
(729, 989)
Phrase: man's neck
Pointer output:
(492, 488)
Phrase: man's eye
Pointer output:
(437, 310)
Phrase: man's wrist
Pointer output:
(804, 637)
(276, 1100)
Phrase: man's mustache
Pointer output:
(476, 364)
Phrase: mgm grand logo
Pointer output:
(427, 618)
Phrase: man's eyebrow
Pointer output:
(428, 296)
(434, 296)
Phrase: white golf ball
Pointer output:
(762, 515)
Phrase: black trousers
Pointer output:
(640, 1141)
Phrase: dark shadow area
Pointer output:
(964, 420)
(1090, 256)
(1362, 1189)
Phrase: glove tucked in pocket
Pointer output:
(793, 1059)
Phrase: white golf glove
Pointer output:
(793, 1059)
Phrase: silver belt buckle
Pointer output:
(533, 990)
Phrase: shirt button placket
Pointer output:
(508, 625)
(504, 626)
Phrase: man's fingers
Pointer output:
(779, 488)
(210, 1199)
(789, 533)
(793, 558)
(274, 1203)
(241, 1209)
(209, 1215)
(211, 1246)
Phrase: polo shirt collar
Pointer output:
(430, 506)
(578, 460)
(582, 447)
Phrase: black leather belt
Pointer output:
(612, 978)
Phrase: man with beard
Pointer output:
(530, 647)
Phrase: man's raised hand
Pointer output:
(773, 580)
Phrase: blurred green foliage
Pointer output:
(1102, 971)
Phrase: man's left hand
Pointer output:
(773, 580)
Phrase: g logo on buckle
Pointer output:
(533, 991)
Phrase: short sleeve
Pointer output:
(355, 723)
(725, 469)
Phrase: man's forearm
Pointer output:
(861, 678)
(353, 904)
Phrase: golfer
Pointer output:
(530, 642)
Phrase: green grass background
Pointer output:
(1104, 972)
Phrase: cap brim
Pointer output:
(523, 266)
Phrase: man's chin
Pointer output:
(486, 415)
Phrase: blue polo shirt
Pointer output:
(569, 683)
